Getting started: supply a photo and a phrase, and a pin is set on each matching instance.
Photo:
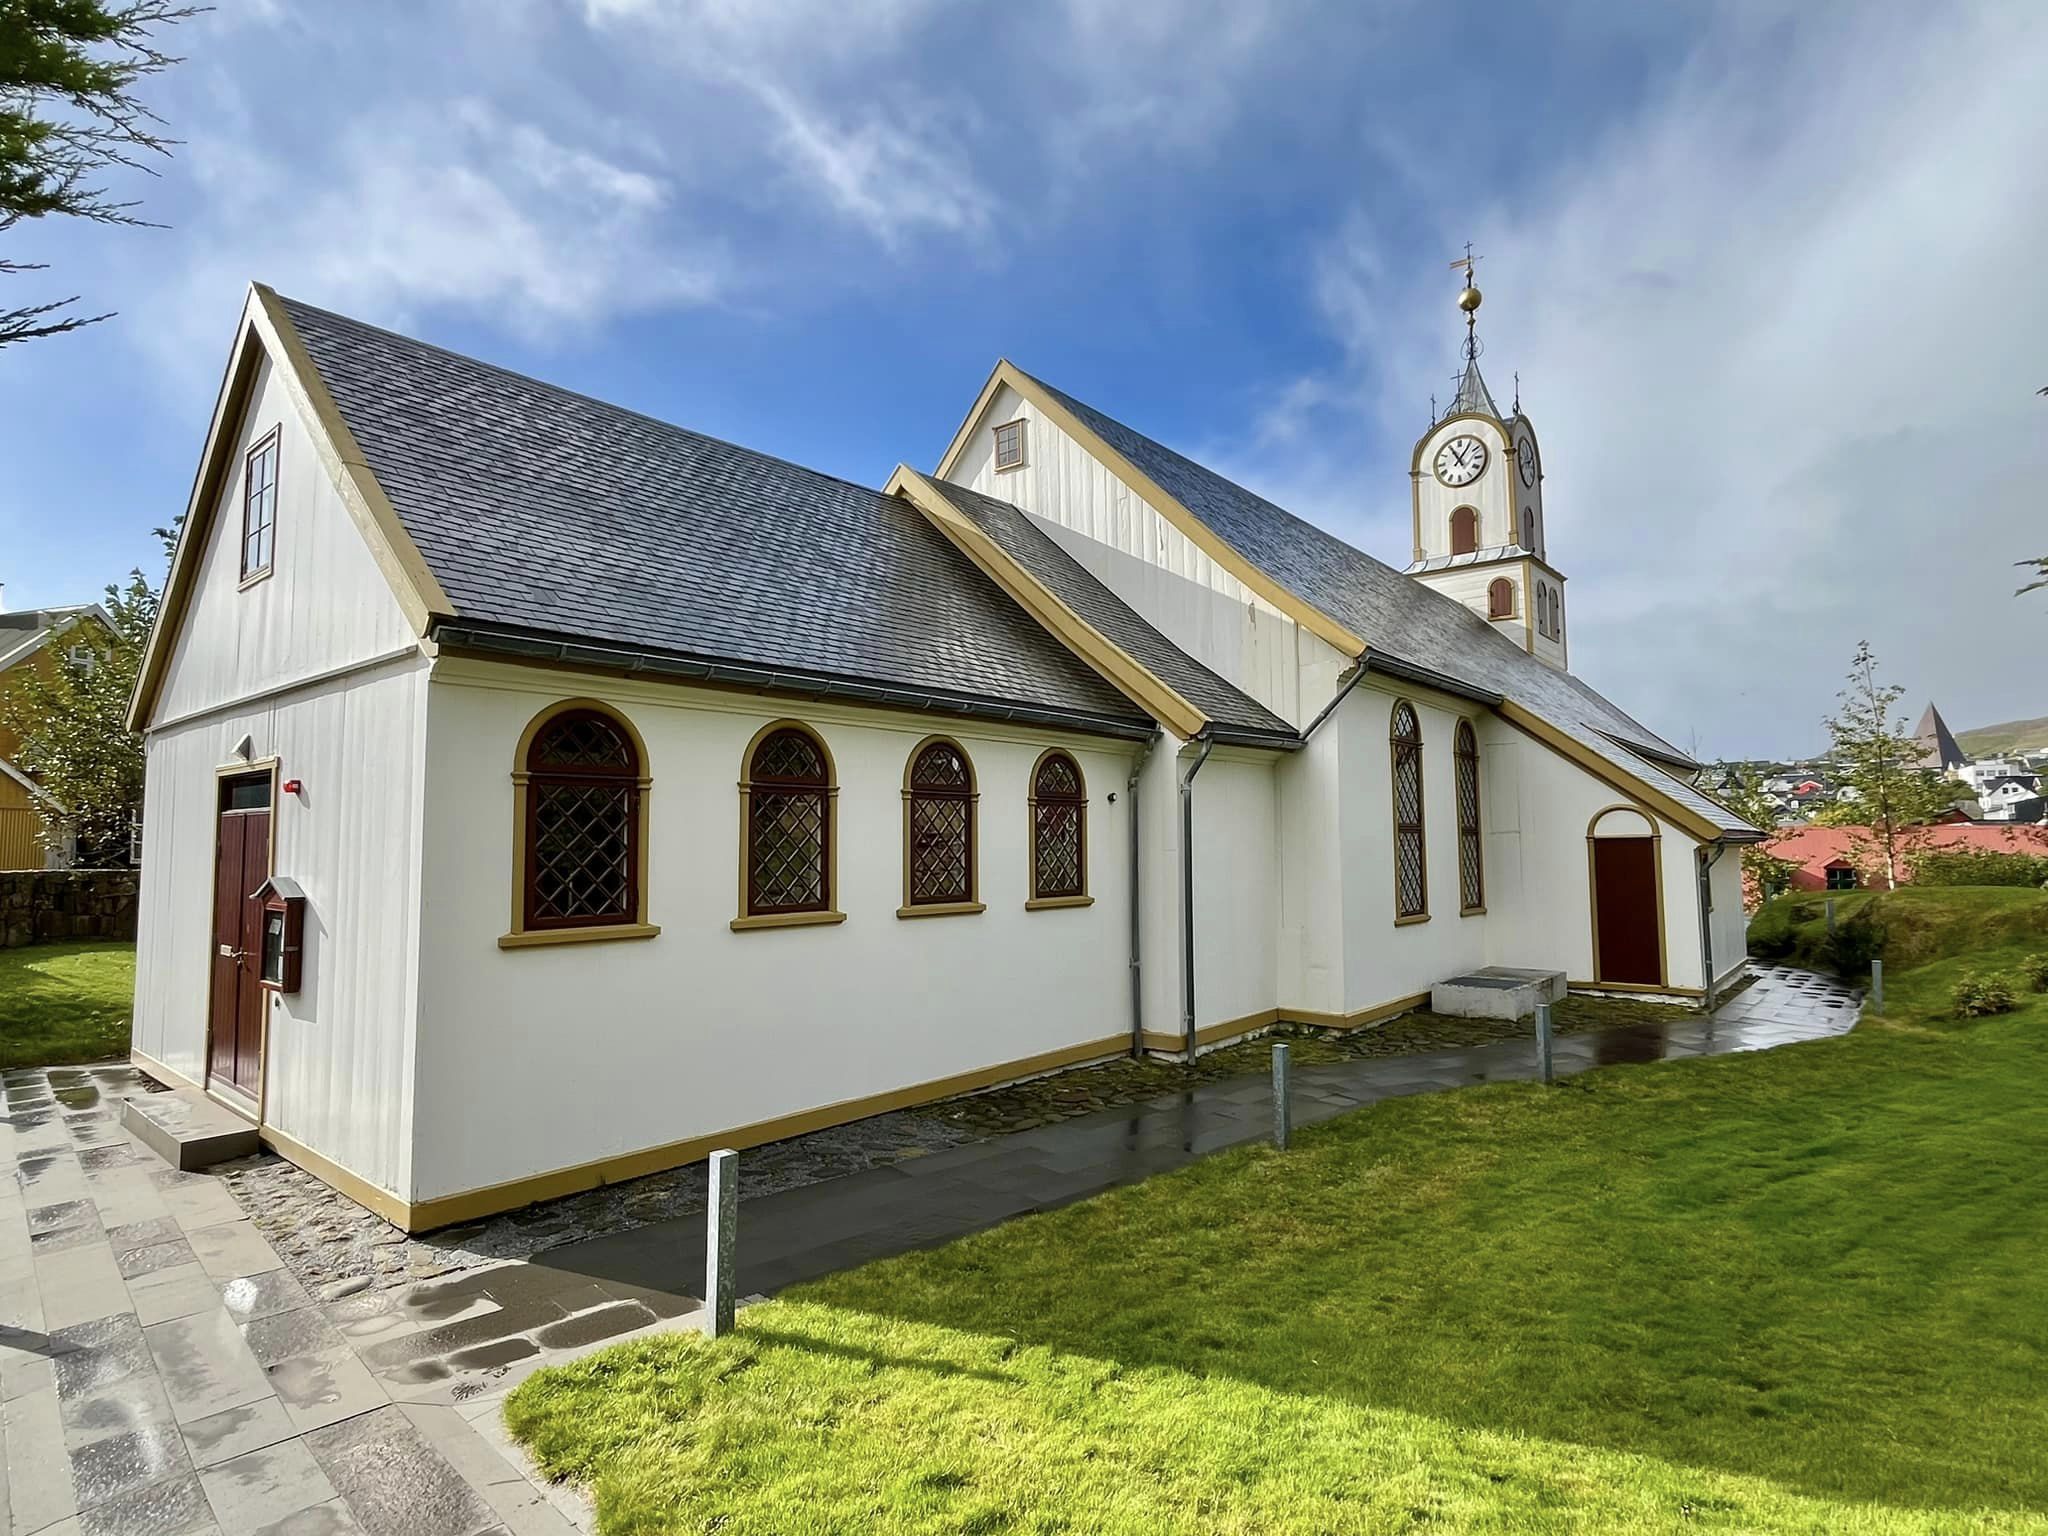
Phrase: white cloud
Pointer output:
(1781, 336)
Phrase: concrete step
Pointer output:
(187, 1129)
(1496, 992)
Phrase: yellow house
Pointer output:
(30, 639)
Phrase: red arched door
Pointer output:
(1628, 937)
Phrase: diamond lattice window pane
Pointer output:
(1059, 850)
(582, 742)
(939, 766)
(788, 850)
(1408, 874)
(790, 757)
(1472, 888)
(1058, 778)
(582, 852)
(939, 850)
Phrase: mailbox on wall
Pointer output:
(284, 932)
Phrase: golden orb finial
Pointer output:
(1470, 299)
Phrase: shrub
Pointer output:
(1976, 996)
(2034, 970)
(1855, 942)
(1966, 866)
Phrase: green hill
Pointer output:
(2013, 736)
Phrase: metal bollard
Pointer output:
(1543, 1065)
(722, 1219)
(1831, 914)
(1877, 984)
(1283, 1102)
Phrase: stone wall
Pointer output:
(44, 906)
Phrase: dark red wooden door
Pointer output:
(241, 864)
(1625, 910)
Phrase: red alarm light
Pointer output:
(291, 786)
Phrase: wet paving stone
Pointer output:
(137, 1262)
(134, 1402)
(394, 1481)
(94, 1356)
(493, 1356)
(122, 1463)
(174, 1507)
(588, 1327)
(282, 1335)
(261, 1295)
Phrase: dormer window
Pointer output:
(259, 507)
(1010, 445)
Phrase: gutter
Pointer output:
(1137, 926)
(487, 642)
(1187, 895)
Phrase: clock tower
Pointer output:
(1479, 537)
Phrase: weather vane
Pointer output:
(1469, 300)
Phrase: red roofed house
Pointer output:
(1825, 857)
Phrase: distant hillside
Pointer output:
(2013, 736)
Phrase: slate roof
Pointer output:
(1019, 536)
(1938, 745)
(1394, 614)
(1472, 395)
(546, 513)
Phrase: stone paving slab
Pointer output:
(162, 1373)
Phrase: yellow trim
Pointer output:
(519, 936)
(541, 937)
(1411, 919)
(1634, 986)
(266, 330)
(1656, 839)
(1342, 1023)
(911, 907)
(1052, 903)
(786, 920)
(1609, 773)
(831, 913)
(161, 1071)
(1111, 662)
(1311, 618)
(446, 1210)
(1267, 1018)
(370, 1196)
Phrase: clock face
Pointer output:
(1460, 461)
(1525, 459)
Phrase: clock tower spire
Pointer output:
(1478, 496)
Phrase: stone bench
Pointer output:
(1496, 992)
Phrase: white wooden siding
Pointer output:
(324, 605)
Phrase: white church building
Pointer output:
(541, 795)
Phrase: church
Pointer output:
(541, 795)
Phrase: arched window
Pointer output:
(581, 799)
(788, 792)
(1542, 609)
(1557, 615)
(1059, 831)
(1464, 530)
(1500, 598)
(939, 843)
(1471, 865)
(1411, 859)
(1529, 530)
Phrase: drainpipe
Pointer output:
(1357, 676)
(1187, 896)
(1137, 925)
(1708, 856)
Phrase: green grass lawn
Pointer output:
(62, 1003)
(1801, 1290)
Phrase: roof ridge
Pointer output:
(577, 394)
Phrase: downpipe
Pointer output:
(1137, 912)
(1703, 901)
(1187, 897)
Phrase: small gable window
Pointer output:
(1010, 445)
(1471, 866)
(582, 824)
(259, 506)
(1500, 599)
(938, 830)
(1411, 860)
(789, 793)
(1464, 531)
(1059, 831)
(1841, 878)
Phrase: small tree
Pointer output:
(1876, 755)
(68, 115)
(72, 718)
(1764, 874)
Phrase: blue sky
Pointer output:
(1768, 275)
